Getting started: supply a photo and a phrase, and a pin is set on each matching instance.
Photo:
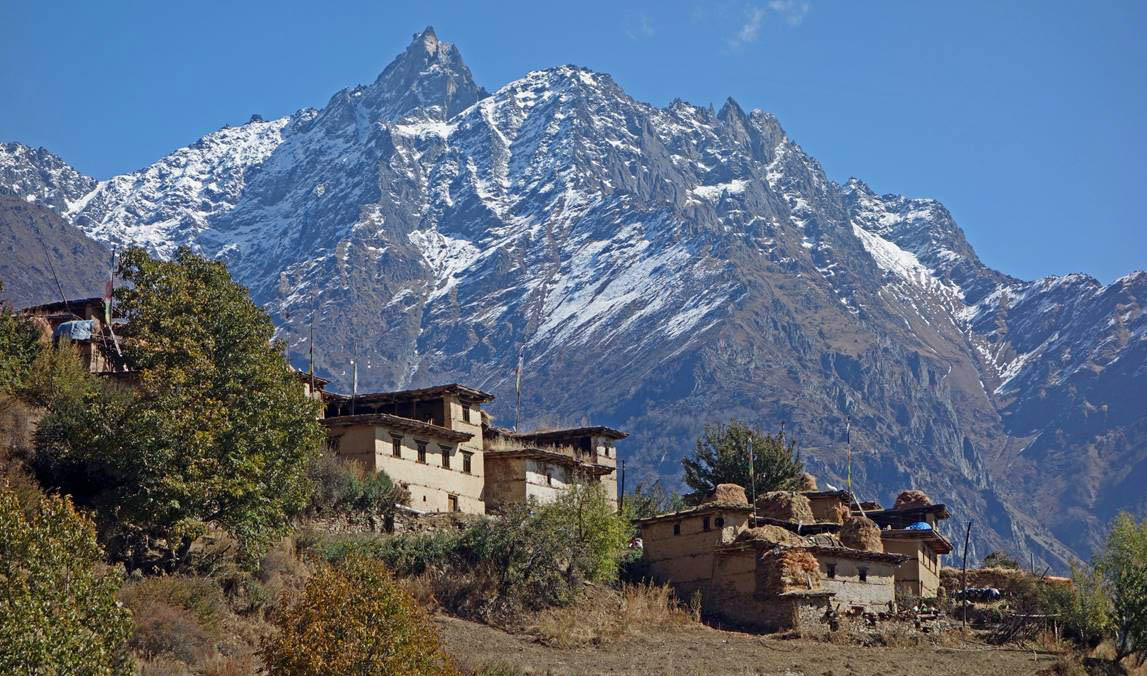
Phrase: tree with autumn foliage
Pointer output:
(216, 430)
(354, 619)
(58, 609)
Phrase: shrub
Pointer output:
(19, 344)
(177, 617)
(354, 618)
(1122, 563)
(58, 611)
(1000, 560)
(341, 486)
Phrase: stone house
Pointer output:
(764, 573)
(913, 531)
(436, 442)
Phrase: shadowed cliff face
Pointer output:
(658, 268)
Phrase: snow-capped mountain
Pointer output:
(657, 268)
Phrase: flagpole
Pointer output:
(752, 479)
(108, 304)
(518, 391)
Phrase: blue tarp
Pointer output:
(920, 525)
(80, 329)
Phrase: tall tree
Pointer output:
(217, 430)
(721, 455)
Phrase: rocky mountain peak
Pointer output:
(429, 79)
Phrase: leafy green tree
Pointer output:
(354, 619)
(1122, 562)
(596, 533)
(216, 429)
(19, 345)
(721, 456)
(58, 610)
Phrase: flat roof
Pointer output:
(550, 456)
(463, 392)
(306, 377)
(840, 552)
(398, 423)
(798, 527)
(929, 535)
(940, 510)
(694, 511)
(841, 493)
(63, 306)
(570, 432)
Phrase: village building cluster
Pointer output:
(793, 556)
(436, 442)
(783, 561)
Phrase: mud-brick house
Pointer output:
(911, 528)
(768, 572)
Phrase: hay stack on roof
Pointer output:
(861, 533)
(785, 570)
(785, 506)
(912, 499)
(771, 534)
(728, 494)
(823, 540)
(808, 482)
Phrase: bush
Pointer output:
(341, 486)
(19, 344)
(177, 617)
(533, 556)
(58, 610)
(1000, 560)
(354, 618)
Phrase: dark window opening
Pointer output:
(705, 523)
(466, 412)
(832, 570)
(445, 456)
(396, 446)
(676, 529)
(466, 461)
(720, 521)
(421, 451)
(863, 574)
(452, 502)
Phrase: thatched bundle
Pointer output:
(774, 534)
(728, 494)
(860, 532)
(783, 570)
(785, 506)
(808, 482)
(911, 499)
(823, 540)
(839, 512)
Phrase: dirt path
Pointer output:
(703, 650)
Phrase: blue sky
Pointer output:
(1028, 120)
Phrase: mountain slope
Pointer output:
(656, 268)
(37, 248)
